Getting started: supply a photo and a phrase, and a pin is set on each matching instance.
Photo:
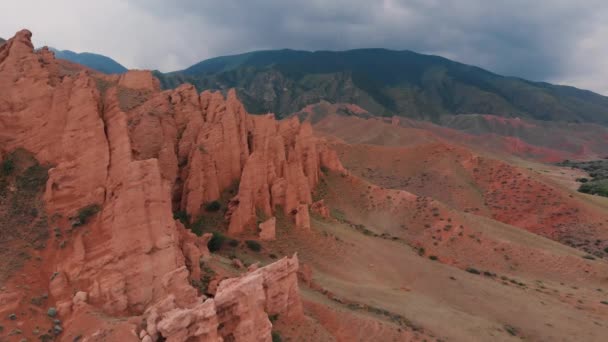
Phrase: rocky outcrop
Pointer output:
(238, 312)
(268, 229)
(320, 208)
(302, 216)
(276, 163)
(125, 157)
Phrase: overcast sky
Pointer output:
(546, 40)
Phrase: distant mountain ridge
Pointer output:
(385, 82)
(92, 60)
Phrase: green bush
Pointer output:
(606, 250)
(85, 213)
(198, 226)
(511, 330)
(433, 257)
(233, 243)
(472, 270)
(253, 245)
(276, 337)
(8, 166)
(213, 206)
(216, 242)
(182, 216)
(595, 188)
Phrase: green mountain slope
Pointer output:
(92, 60)
(385, 82)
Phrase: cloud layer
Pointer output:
(546, 40)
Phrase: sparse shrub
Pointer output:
(182, 216)
(472, 270)
(606, 250)
(197, 226)
(433, 257)
(85, 213)
(324, 169)
(276, 337)
(8, 166)
(421, 251)
(253, 245)
(233, 243)
(213, 206)
(589, 257)
(51, 312)
(511, 330)
(216, 242)
(273, 318)
(582, 180)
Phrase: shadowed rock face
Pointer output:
(136, 154)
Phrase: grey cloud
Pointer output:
(547, 40)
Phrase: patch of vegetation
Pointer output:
(182, 216)
(8, 166)
(598, 171)
(273, 318)
(433, 257)
(197, 227)
(203, 284)
(216, 242)
(213, 206)
(599, 188)
(511, 330)
(23, 220)
(276, 337)
(472, 270)
(253, 245)
(84, 214)
(321, 190)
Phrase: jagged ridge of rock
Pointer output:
(135, 154)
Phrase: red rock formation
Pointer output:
(302, 216)
(139, 154)
(268, 229)
(320, 208)
(238, 312)
(218, 144)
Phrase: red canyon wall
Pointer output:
(139, 154)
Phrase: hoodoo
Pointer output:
(123, 157)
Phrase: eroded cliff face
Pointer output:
(125, 156)
(216, 143)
